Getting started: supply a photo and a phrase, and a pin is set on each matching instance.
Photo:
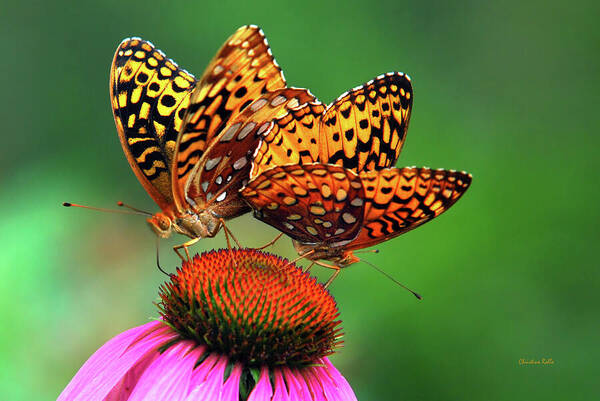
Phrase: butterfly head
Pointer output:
(161, 224)
(346, 258)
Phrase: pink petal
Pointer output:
(203, 369)
(298, 389)
(207, 379)
(168, 377)
(262, 390)
(338, 383)
(231, 388)
(123, 389)
(281, 391)
(313, 384)
(107, 366)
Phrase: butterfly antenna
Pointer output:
(158, 258)
(101, 209)
(367, 251)
(419, 297)
(135, 209)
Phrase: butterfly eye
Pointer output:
(160, 224)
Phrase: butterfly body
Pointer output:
(339, 256)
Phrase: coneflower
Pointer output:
(235, 325)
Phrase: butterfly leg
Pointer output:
(274, 240)
(185, 246)
(335, 273)
(333, 276)
(300, 257)
(229, 233)
(309, 267)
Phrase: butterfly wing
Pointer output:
(292, 140)
(400, 199)
(365, 128)
(242, 71)
(149, 94)
(313, 203)
(215, 181)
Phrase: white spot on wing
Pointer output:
(279, 99)
(258, 104)
(266, 127)
(222, 197)
(357, 202)
(190, 201)
(212, 163)
(246, 130)
(240, 163)
(230, 133)
(340, 243)
(348, 218)
(293, 103)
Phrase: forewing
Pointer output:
(365, 128)
(215, 181)
(149, 94)
(313, 203)
(400, 199)
(292, 140)
(243, 70)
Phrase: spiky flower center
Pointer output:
(255, 307)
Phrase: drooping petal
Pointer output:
(262, 390)
(168, 377)
(107, 366)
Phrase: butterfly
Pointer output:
(181, 135)
(340, 193)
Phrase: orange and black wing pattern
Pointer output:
(292, 140)
(365, 128)
(242, 71)
(215, 181)
(313, 203)
(149, 94)
(400, 199)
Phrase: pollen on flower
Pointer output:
(255, 307)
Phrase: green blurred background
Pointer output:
(505, 90)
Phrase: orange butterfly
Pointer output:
(183, 137)
(341, 194)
